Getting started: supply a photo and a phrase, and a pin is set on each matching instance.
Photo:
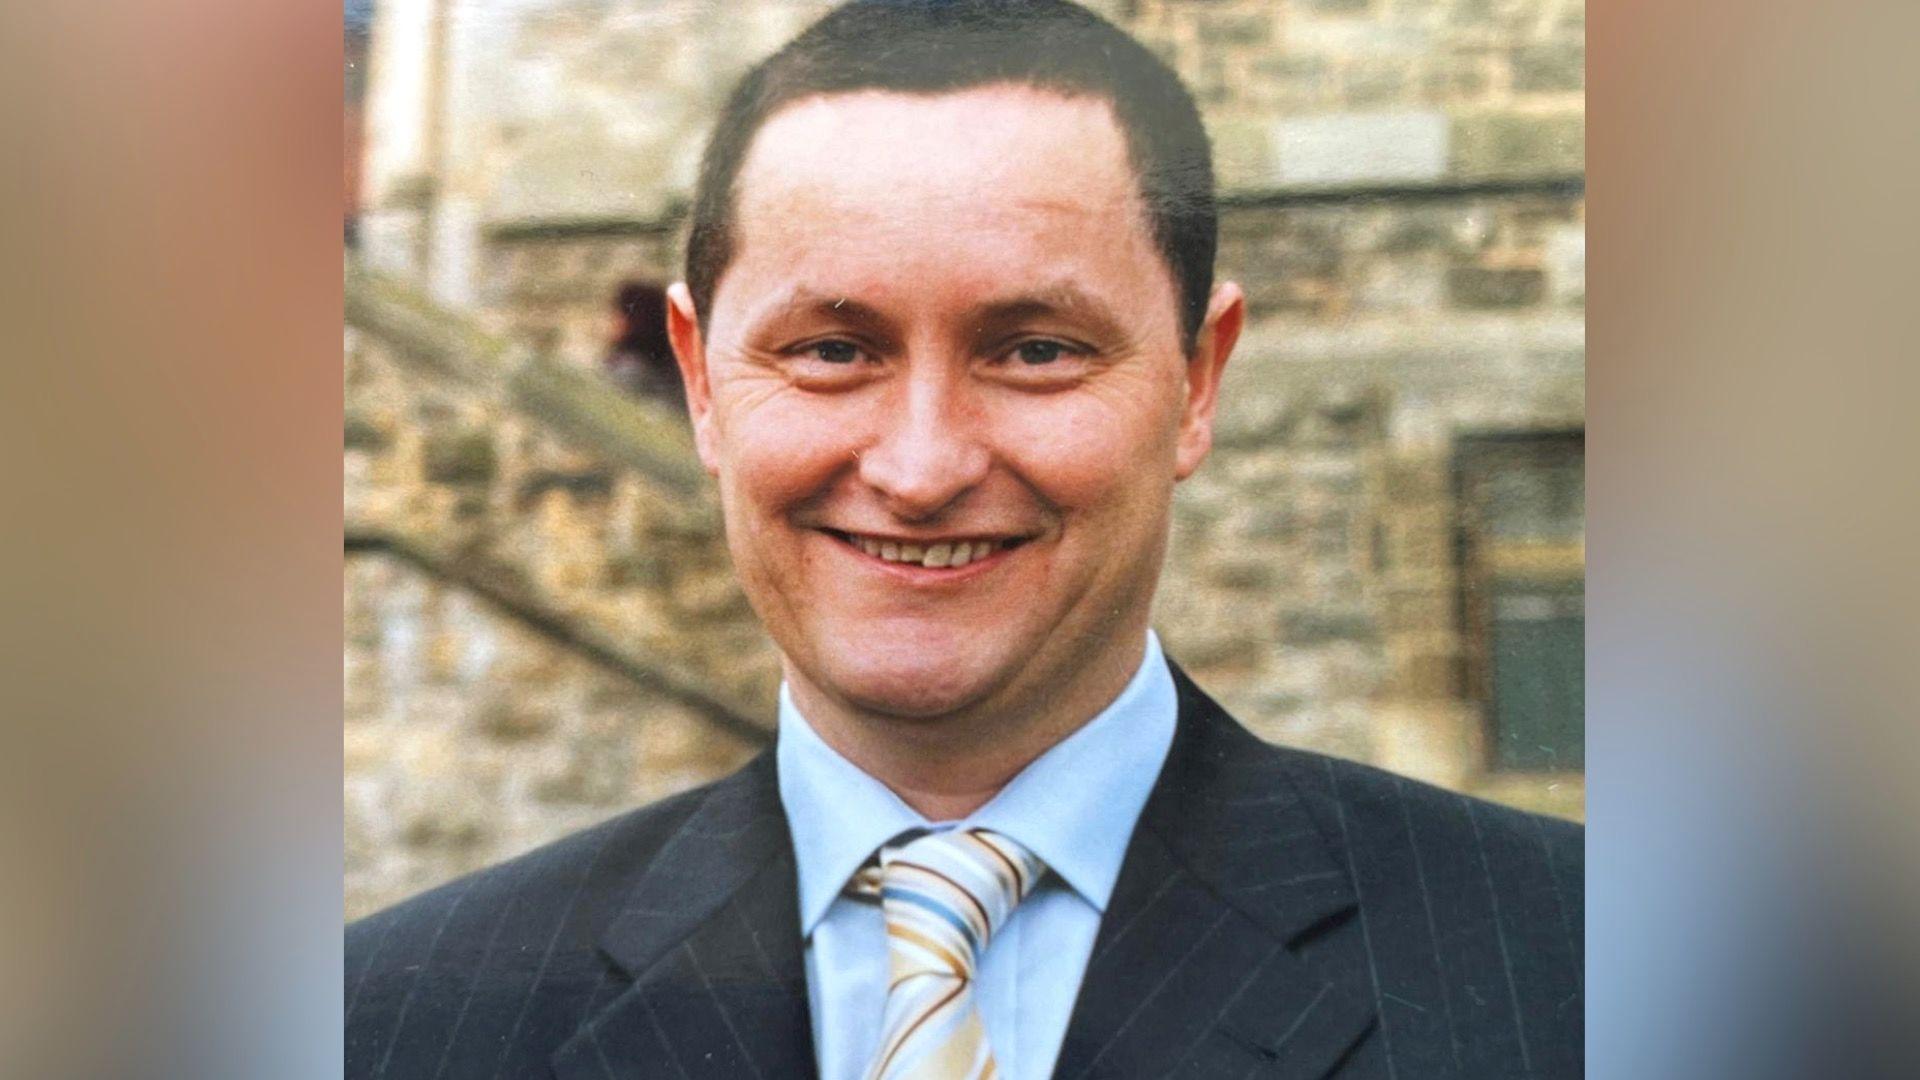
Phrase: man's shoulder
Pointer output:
(1363, 811)
(1466, 922)
(491, 971)
(1367, 806)
(533, 919)
(1440, 877)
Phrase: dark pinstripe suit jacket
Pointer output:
(1279, 914)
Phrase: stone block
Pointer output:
(1409, 481)
(1426, 676)
(1418, 230)
(1261, 472)
(1496, 286)
(1343, 730)
(581, 485)
(1362, 147)
(361, 432)
(1331, 537)
(1210, 81)
(1417, 611)
(1243, 571)
(1400, 286)
(1554, 67)
(641, 570)
(1215, 647)
(1199, 505)
(1280, 703)
(1342, 418)
(1319, 626)
(390, 240)
(1236, 29)
(1436, 743)
(1458, 77)
(591, 767)
(1251, 417)
(1377, 83)
(1564, 257)
(1242, 152)
(512, 720)
(1306, 250)
(1348, 37)
(1291, 79)
(458, 457)
(1420, 541)
(1498, 144)
(1354, 671)
(709, 598)
(1273, 519)
(1474, 14)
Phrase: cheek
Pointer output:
(1092, 453)
(777, 451)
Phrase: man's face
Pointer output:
(944, 392)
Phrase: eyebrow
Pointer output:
(803, 301)
(1061, 299)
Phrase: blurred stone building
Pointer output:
(1383, 560)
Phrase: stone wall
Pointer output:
(1314, 576)
(471, 734)
(1402, 205)
(492, 112)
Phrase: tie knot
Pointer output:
(954, 888)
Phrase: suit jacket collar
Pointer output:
(1193, 971)
(711, 939)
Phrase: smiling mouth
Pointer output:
(932, 554)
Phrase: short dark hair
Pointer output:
(940, 46)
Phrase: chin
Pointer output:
(919, 684)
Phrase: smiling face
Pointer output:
(943, 389)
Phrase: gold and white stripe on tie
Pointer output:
(943, 895)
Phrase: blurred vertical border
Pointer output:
(170, 408)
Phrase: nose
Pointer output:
(928, 450)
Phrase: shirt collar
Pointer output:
(1074, 806)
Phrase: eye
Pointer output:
(1035, 353)
(834, 352)
(831, 363)
(1041, 363)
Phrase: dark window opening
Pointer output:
(1522, 601)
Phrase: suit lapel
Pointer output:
(711, 939)
(1193, 971)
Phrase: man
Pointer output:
(950, 338)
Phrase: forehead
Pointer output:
(1002, 171)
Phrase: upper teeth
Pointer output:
(945, 553)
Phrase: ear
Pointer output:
(689, 350)
(1226, 314)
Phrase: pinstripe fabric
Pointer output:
(943, 894)
(1280, 916)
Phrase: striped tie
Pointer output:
(943, 895)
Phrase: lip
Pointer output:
(917, 574)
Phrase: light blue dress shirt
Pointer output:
(1074, 806)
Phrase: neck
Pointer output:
(947, 767)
